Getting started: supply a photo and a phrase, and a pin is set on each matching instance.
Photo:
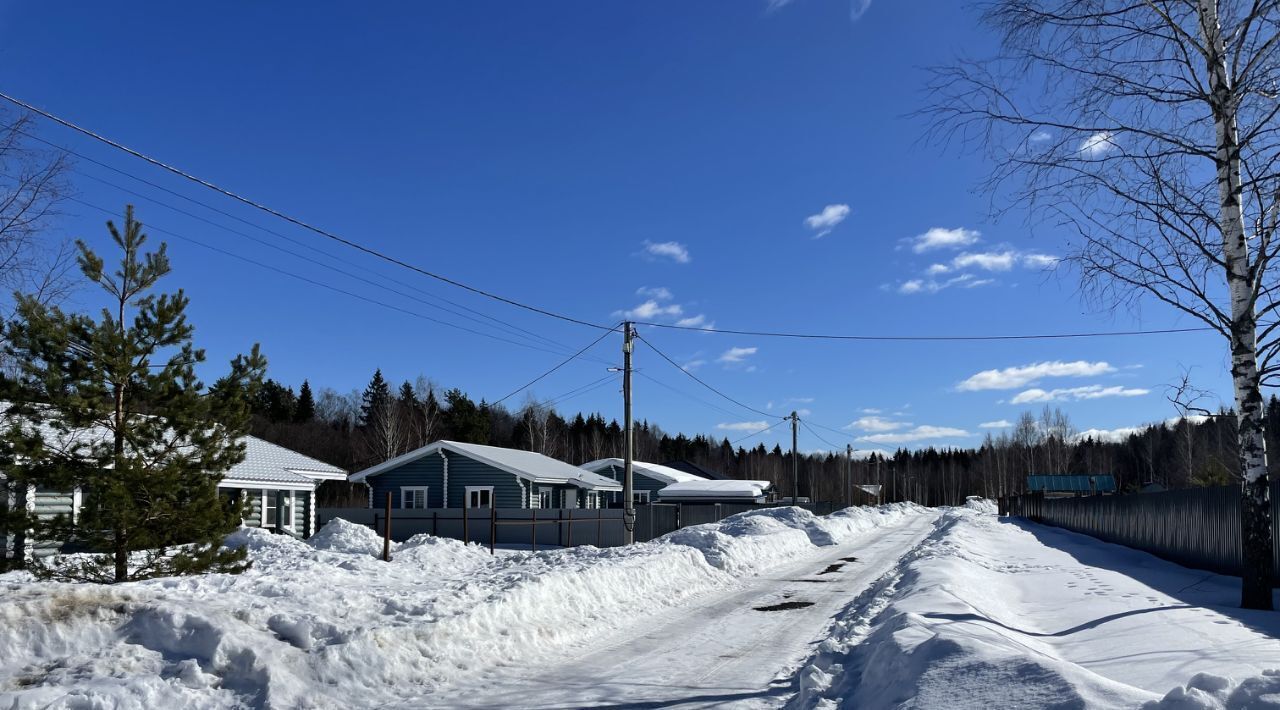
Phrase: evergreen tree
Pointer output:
(113, 406)
(463, 420)
(376, 400)
(305, 409)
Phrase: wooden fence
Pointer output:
(1196, 527)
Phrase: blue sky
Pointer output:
(752, 164)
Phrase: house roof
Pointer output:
(1099, 483)
(528, 465)
(700, 471)
(655, 471)
(715, 489)
(264, 462)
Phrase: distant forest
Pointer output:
(360, 429)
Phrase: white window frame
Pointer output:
(476, 489)
(267, 495)
(550, 499)
(593, 500)
(290, 502)
(641, 497)
(405, 492)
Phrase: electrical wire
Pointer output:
(924, 338)
(757, 433)
(833, 431)
(613, 377)
(313, 282)
(682, 393)
(805, 424)
(513, 330)
(697, 379)
(294, 220)
(559, 365)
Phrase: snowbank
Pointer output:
(325, 623)
(982, 505)
(1006, 614)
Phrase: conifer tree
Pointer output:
(112, 406)
(305, 410)
(376, 399)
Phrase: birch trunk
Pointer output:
(1255, 500)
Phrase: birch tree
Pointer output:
(1147, 130)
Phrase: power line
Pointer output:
(925, 338)
(559, 365)
(293, 220)
(487, 294)
(805, 424)
(571, 394)
(834, 431)
(758, 433)
(329, 287)
(514, 330)
(704, 384)
(682, 393)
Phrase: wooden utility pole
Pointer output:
(628, 438)
(795, 460)
(848, 475)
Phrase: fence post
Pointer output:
(559, 525)
(533, 526)
(435, 523)
(386, 532)
(466, 525)
(599, 526)
(568, 538)
(493, 527)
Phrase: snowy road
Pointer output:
(721, 649)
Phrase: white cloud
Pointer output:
(801, 400)
(742, 426)
(734, 355)
(1098, 144)
(875, 423)
(1014, 377)
(657, 293)
(1076, 393)
(936, 269)
(675, 251)
(920, 433)
(1040, 136)
(934, 286)
(942, 238)
(698, 321)
(987, 261)
(871, 410)
(803, 412)
(1113, 435)
(649, 310)
(860, 454)
(693, 365)
(826, 220)
(857, 8)
(1039, 261)
(997, 424)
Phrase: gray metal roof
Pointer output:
(528, 465)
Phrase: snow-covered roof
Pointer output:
(528, 465)
(664, 474)
(715, 489)
(264, 462)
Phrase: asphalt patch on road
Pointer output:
(833, 567)
(849, 559)
(784, 606)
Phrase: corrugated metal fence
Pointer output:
(1196, 527)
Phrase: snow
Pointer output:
(702, 488)
(1007, 613)
(326, 623)
(529, 465)
(655, 471)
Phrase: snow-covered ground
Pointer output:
(992, 612)
(896, 606)
(327, 624)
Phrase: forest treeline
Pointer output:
(360, 429)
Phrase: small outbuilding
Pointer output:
(646, 478)
(704, 491)
(451, 474)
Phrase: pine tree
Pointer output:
(376, 399)
(305, 410)
(151, 506)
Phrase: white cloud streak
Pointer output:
(826, 220)
(1072, 394)
(736, 355)
(923, 432)
(675, 251)
(1014, 377)
(742, 426)
(997, 424)
(943, 238)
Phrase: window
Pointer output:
(569, 498)
(544, 498)
(593, 499)
(640, 497)
(479, 496)
(413, 496)
(269, 510)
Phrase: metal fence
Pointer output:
(554, 527)
(1196, 527)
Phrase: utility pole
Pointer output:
(795, 460)
(628, 445)
(848, 475)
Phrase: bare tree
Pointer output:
(33, 186)
(1147, 128)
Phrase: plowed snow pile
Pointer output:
(991, 612)
(325, 623)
